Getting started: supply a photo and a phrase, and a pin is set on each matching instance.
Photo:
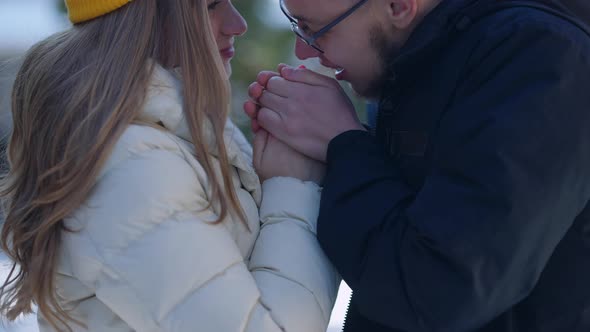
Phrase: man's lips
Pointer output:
(338, 70)
(328, 65)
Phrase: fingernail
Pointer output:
(302, 67)
(286, 71)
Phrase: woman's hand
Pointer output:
(274, 158)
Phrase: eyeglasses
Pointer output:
(311, 39)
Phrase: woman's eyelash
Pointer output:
(213, 5)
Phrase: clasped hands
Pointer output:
(295, 113)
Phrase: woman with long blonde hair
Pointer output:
(131, 202)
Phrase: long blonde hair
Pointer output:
(74, 96)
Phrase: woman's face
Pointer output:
(226, 23)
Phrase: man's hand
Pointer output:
(302, 108)
(274, 158)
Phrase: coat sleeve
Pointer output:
(509, 176)
(160, 264)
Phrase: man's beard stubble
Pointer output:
(386, 51)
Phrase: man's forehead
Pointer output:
(316, 11)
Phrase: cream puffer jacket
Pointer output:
(145, 256)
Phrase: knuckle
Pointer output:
(291, 127)
(264, 116)
(293, 110)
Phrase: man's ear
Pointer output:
(402, 13)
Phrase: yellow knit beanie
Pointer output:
(85, 10)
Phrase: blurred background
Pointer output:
(269, 41)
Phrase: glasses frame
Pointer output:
(311, 40)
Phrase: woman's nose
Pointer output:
(235, 24)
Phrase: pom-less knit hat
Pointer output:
(85, 10)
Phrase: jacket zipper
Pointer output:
(346, 313)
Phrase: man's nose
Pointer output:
(304, 51)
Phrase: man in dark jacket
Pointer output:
(580, 8)
(467, 207)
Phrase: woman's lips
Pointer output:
(228, 53)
